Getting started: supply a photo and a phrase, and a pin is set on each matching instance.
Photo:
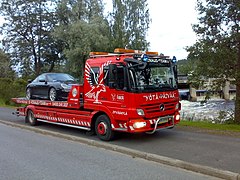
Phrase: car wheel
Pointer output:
(52, 95)
(31, 119)
(103, 128)
(28, 93)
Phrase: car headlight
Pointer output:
(140, 112)
(65, 86)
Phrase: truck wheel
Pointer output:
(52, 95)
(31, 119)
(103, 128)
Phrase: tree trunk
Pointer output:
(51, 66)
(237, 102)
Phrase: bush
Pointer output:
(225, 117)
(11, 88)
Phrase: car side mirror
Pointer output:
(29, 80)
(175, 71)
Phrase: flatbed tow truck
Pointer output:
(127, 91)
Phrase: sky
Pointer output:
(170, 30)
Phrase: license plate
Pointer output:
(164, 120)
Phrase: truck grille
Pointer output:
(155, 108)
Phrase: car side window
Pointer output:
(35, 80)
(41, 78)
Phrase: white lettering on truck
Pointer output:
(153, 97)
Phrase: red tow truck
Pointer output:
(128, 91)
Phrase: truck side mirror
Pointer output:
(175, 72)
(112, 76)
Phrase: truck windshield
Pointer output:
(154, 77)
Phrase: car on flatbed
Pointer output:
(51, 86)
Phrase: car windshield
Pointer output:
(155, 77)
(61, 77)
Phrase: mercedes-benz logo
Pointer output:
(162, 107)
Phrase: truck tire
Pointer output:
(103, 128)
(31, 119)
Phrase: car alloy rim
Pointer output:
(52, 94)
(28, 94)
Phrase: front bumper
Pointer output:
(152, 125)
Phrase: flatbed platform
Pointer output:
(63, 104)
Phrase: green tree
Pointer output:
(27, 34)
(83, 28)
(130, 22)
(5, 66)
(218, 48)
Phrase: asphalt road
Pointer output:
(28, 155)
(217, 151)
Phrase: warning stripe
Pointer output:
(63, 120)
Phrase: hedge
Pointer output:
(11, 88)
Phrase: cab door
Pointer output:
(116, 98)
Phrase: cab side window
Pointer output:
(106, 76)
(118, 76)
(94, 75)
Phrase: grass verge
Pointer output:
(210, 126)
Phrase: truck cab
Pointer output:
(136, 90)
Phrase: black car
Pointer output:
(52, 86)
(184, 94)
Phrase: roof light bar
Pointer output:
(98, 53)
(151, 53)
(122, 50)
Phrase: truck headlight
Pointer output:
(177, 117)
(137, 125)
(140, 112)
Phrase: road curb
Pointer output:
(135, 153)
